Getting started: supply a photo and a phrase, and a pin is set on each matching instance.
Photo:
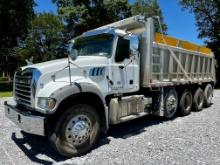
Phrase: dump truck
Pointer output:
(113, 74)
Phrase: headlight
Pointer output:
(46, 103)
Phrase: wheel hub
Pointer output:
(171, 103)
(78, 130)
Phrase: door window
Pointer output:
(122, 50)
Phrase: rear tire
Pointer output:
(185, 104)
(198, 100)
(208, 94)
(170, 103)
(76, 131)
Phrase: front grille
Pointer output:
(22, 88)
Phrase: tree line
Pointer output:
(43, 36)
(207, 14)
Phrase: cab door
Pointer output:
(125, 68)
(132, 65)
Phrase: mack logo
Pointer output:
(97, 71)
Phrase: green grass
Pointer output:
(5, 94)
(4, 79)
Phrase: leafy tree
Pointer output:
(83, 15)
(207, 14)
(15, 17)
(44, 41)
(150, 8)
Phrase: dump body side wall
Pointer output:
(165, 62)
(165, 70)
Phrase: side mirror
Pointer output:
(134, 43)
(73, 55)
(71, 51)
(133, 53)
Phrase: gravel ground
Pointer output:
(194, 139)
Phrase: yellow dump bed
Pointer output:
(181, 44)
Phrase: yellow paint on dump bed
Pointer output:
(189, 46)
(169, 40)
(182, 44)
(205, 50)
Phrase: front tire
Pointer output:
(76, 131)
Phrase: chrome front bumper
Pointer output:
(25, 120)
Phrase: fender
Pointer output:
(75, 88)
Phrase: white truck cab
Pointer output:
(114, 74)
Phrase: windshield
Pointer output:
(98, 45)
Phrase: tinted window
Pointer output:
(122, 50)
(98, 45)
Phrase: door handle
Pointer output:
(109, 80)
(121, 67)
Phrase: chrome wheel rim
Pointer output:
(78, 129)
(171, 104)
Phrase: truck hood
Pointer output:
(82, 61)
